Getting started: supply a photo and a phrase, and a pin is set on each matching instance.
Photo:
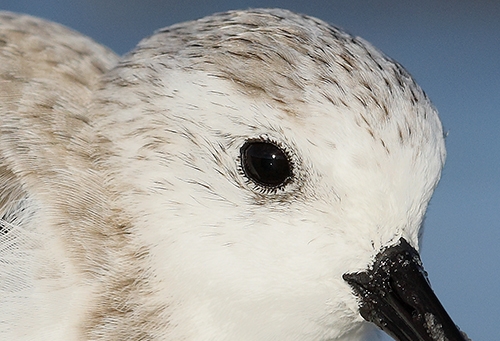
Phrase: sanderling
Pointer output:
(252, 175)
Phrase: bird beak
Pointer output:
(395, 295)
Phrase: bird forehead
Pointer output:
(296, 64)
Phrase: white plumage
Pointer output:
(127, 213)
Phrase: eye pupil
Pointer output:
(265, 163)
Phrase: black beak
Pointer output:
(395, 295)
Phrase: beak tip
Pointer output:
(395, 294)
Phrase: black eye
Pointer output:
(265, 163)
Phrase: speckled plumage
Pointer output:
(125, 213)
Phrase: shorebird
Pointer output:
(252, 175)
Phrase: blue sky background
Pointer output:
(452, 48)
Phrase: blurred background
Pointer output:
(452, 48)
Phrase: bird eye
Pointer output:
(265, 163)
